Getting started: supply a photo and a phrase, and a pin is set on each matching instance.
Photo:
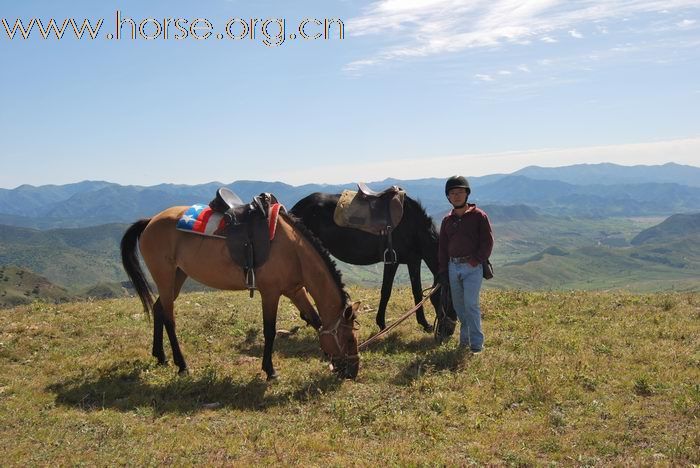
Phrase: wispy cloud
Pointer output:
(422, 28)
(686, 23)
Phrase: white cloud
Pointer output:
(483, 77)
(682, 151)
(548, 39)
(575, 34)
(421, 28)
(505, 72)
(686, 23)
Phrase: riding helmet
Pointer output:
(457, 182)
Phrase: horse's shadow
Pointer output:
(301, 345)
(395, 344)
(441, 359)
(126, 386)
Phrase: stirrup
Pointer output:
(390, 257)
(250, 281)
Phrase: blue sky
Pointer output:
(415, 89)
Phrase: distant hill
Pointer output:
(674, 227)
(561, 198)
(614, 174)
(20, 286)
(553, 250)
(74, 258)
(651, 268)
(505, 213)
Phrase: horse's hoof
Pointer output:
(428, 328)
(184, 372)
(272, 377)
(163, 362)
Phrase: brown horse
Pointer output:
(298, 266)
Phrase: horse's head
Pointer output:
(339, 342)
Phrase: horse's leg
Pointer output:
(387, 283)
(417, 288)
(158, 352)
(169, 279)
(270, 302)
(300, 298)
(158, 320)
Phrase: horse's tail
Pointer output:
(130, 261)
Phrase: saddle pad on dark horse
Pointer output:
(369, 215)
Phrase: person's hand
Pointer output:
(474, 263)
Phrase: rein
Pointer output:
(374, 338)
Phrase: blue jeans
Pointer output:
(465, 283)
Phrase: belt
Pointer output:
(461, 259)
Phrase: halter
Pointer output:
(333, 331)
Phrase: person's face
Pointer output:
(457, 196)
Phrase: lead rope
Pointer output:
(374, 338)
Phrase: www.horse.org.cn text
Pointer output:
(271, 32)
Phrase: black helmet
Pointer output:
(456, 182)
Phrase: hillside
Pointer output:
(661, 267)
(73, 258)
(19, 286)
(675, 227)
(571, 378)
(598, 254)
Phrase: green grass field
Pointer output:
(574, 378)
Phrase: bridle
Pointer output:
(333, 331)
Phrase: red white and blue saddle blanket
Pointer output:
(202, 220)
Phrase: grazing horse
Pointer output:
(298, 266)
(414, 239)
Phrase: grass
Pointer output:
(576, 378)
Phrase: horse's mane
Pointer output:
(322, 251)
(424, 217)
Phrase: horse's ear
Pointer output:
(351, 311)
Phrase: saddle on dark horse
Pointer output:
(377, 213)
(248, 229)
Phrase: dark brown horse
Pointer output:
(298, 266)
(415, 239)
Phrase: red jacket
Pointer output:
(468, 235)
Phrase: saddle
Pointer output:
(377, 213)
(246, 229)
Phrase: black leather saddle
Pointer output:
(367, 192)
(246, 229)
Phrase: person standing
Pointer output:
(466, 241)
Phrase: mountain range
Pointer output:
(601, 190)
